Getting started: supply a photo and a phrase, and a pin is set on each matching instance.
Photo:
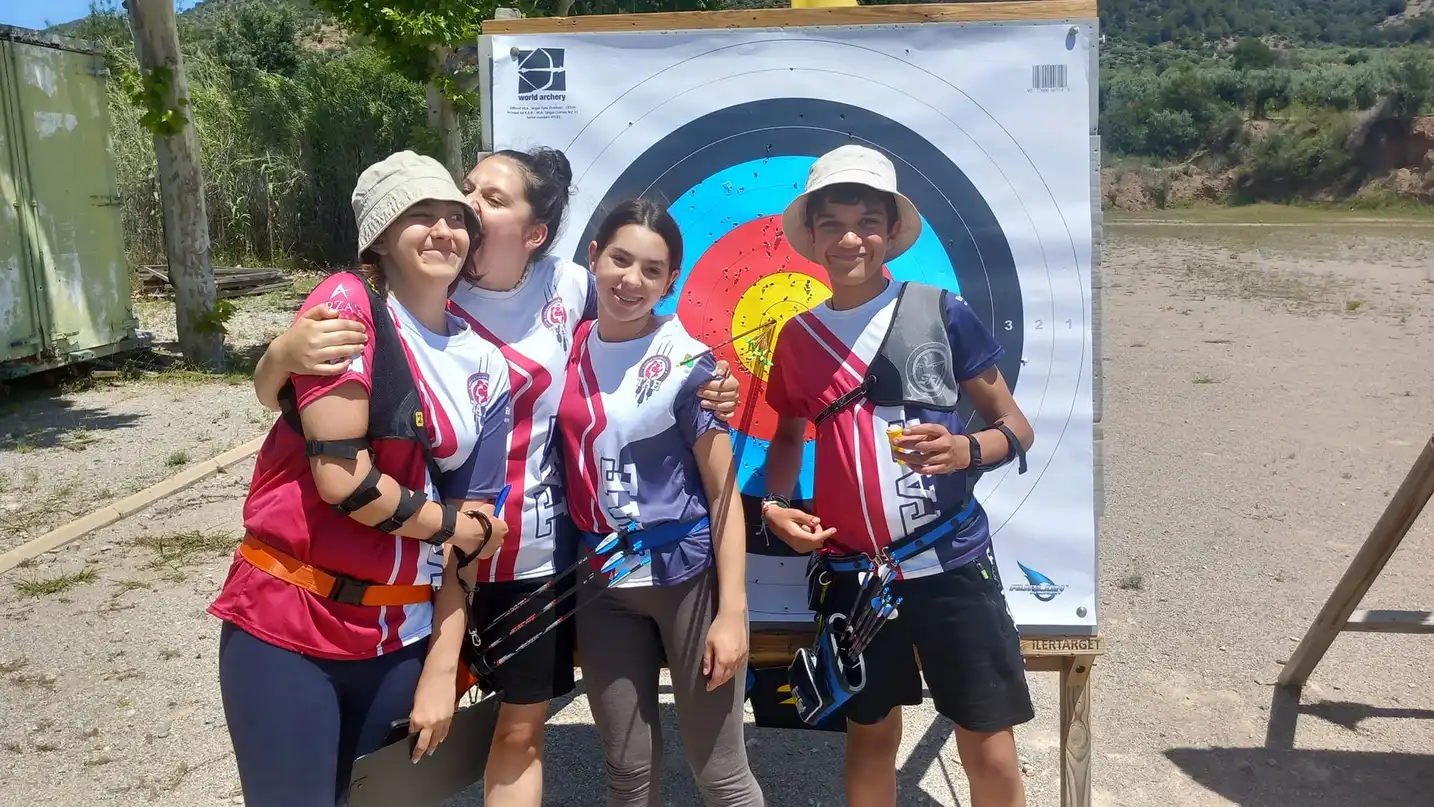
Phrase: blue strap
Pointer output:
(647, 538)
(908, 547)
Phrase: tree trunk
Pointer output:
(564, 6)
(444, 120)
(181, 187)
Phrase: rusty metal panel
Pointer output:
(82, 272)
(20, 332)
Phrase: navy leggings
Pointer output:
(298, 722)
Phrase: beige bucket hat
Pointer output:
(863, 166)
(398, 182)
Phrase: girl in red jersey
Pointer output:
(332, 629)
(529, 302)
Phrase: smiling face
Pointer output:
(632, 273)
(497, 189)
(851, 228)
(427, 242)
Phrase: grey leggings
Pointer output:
(621, 635)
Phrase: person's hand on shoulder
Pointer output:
(721, 394)
(320, 342)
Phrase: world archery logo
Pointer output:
(926, 368)
(1041, 587)
(555, 317)
(542, 75)
(654, 370)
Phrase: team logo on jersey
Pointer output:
(555, 316)
(478, 391)
(926, 368)
(650, 375)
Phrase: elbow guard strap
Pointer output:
(409, 503)
(366, 492)
(343, 449)
(450, 525)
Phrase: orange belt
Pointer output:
(336, 587)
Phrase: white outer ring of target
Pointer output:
(1044, 245)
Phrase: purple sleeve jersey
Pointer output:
(629, 420)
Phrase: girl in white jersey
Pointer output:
(529, 302)
(642, 457)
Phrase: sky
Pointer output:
(39, 14)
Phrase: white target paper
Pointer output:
(993, 122)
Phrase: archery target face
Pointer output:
(722, 127)
(739, 271)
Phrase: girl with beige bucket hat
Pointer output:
(369, 493)
(530, 302)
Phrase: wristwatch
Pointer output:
(975, 451)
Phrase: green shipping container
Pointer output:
(64, 278)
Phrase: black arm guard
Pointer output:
(343, 449)
(409, 503)
(366, 492)
(1014, 450)
(450, 523)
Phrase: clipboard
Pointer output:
(389, 776)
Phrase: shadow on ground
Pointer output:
(41, 410)
(1263, 777)
(1280, 775)
(793, 767)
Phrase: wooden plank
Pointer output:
(776, 648)
(995, 11)
(1075, 732)
(1390, 622)
(129, 505)
(1399, 515)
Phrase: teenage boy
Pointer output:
(881, 354)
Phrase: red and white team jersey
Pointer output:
(860, 490)
(533, 324)
(464, 385)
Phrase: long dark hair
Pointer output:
(547, 183)
(644, 213)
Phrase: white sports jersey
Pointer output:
(464, 386)
(533, 325)
(629, 419)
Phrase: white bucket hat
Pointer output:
(860, 165)
(398, 182)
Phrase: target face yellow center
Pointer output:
(775, 298)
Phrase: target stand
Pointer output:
(988, 112)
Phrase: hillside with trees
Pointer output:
(1200, 100)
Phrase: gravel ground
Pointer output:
(1263, 399)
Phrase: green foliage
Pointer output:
(1197, 23)
(1251, 53)
(406, 31)
(257, 36)
(152, 96)
(1298, 159)
(280, 148)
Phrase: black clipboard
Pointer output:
(389, 776)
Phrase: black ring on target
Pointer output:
(972, 237)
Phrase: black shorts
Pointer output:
(544, 669)
(958, 623)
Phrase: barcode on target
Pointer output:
(1048, 77)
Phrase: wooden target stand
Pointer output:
(1071, 656)
(1341, 611)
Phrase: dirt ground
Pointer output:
(1267, 385)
